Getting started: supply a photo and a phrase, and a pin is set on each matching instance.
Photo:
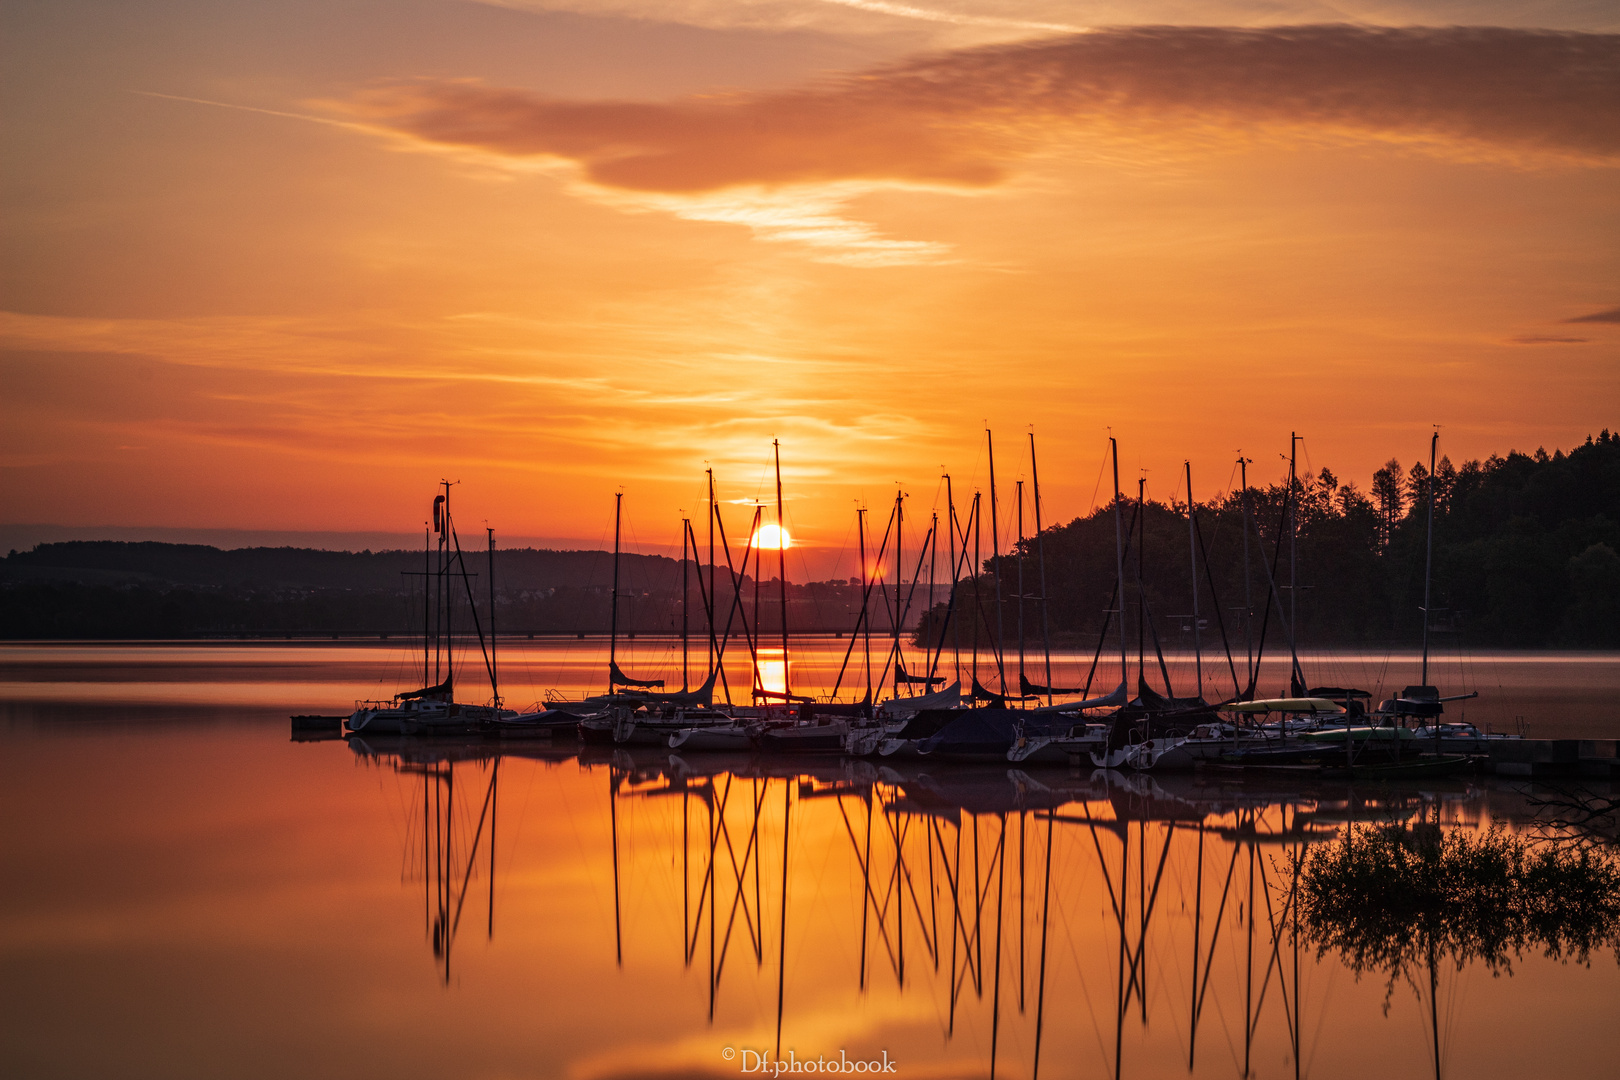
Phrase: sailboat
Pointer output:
(433, 709)
(631, 708)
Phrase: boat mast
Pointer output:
(494, 687)
(1021, 676)
(713, 602)
(427, 600)
(1248, 599)
(1293, 566)
(447, 635)
(613, 619)
(1119, 564)
(899, 582)
(956, 565)
(995, 558)
(864, 623)
(686, 597)
(758, 631)
(1040, 557)
(1192, 545)
(781, 564)
(933, 558)
(1141, 596)
(978, 573)
(1428, 561)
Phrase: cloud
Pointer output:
(786, 163)
(964, 118)
(979, 19)
(1537, 339)
(1610, 316)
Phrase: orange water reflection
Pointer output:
(966, 921)
(207, 898)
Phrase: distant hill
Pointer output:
(117, 589)
(518, 570)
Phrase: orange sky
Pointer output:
(283, 266)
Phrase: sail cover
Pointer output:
(1337, 693)
(981, 694)
(429, 691)
(1029, 689)
(900, 675)
(703, 695)
(1156, 702)
(1112, 700)
(948, 698)
(617, 677)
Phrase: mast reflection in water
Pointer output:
(961, 918)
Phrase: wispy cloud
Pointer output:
(964, 117)
(1542, 339)
(1610, 316)
(956, 18)
(784, 163)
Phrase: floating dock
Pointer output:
(1598, 758)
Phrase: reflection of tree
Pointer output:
(1395, 898)
(1577, 815)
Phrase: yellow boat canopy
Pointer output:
(1285, 704)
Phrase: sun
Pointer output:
(771, 537)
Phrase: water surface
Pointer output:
(189, 892)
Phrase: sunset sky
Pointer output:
(284, 265)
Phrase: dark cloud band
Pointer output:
(964, 117)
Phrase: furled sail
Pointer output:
(1029, 689)
(948, 698)
(443, 689)
(981, 694)
(617, 677)
(901, 676)
(1112, 700)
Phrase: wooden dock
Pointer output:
(1597, 758)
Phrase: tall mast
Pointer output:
(613, 619)
(1021, 677)
(686, 593)
(1428, 559)
(995, 558)
(753, 533)
(1248, 599)
(899, 581)
(427, 601)
(781, 562)
(713, 602)
(1192, 545)
(864, 623)
(1119, 563)
(978, 572)
(1141, 596)
(1040, 556)
(448, 638)
(1293, 564)
(933, 557)
(494, 687)
(956, 624)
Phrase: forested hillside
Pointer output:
(1525, 555)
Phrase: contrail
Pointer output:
(255, 109)
(907, 11)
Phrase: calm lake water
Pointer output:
(186, 891)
